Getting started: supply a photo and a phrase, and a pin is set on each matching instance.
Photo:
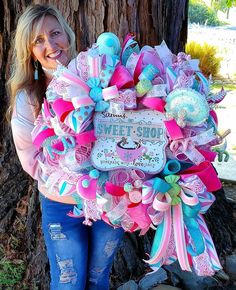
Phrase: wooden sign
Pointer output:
(132, 140)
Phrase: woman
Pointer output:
(80, 257)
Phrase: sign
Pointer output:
(132, 140)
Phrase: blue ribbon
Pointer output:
(190, 214)
(171, 167)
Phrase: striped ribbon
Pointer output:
(184, 221)
(209, 244)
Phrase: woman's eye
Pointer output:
(38, 41)
(55, 33)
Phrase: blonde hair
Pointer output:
(22, 70)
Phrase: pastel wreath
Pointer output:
(109, 81)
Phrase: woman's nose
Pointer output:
(50, 43)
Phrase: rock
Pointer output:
(189, 280)
(165, 287)
(152, 279)
(130, 285)
(230, 265)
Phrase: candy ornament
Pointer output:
(108, 43)
(187, 106)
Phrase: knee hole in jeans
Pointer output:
(110, 247)
(67, 271)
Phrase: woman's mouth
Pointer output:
(55, 55)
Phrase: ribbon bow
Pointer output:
(181, 206)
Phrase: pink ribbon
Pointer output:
(94, 63)
(138, 68)
(62, 108)
(173, 129)
(73, 79)
(42, 136)
(121, 78)
(114, 189)
(86, 137)
(110, 93)
(206, 173)
(162, 203)
(154, 104)
(82, 101)
(139, 215)
(128, 37)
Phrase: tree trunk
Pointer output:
(227, 12)
(20, 232)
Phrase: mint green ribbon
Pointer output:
(175, 188)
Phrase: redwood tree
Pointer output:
(20, 234)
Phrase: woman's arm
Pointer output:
(22, 124)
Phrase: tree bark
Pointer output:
(152, 21)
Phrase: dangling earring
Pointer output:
(36, 71)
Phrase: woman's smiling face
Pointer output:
(50, 44)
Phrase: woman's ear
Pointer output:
(34, 58)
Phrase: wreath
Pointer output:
(130, 134)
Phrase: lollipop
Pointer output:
(187, 107)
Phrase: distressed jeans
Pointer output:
(80, 256)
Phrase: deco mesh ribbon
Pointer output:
(112, 79)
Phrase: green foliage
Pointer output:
(200, 13)
(222, 5)
(207, 54)
(11, 272)
(227, 87)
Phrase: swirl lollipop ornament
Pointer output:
(187, 106)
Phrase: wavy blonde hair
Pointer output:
(22, 70)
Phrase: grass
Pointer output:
(11, 272)
(227, 87)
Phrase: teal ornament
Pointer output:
(108, 43)
(96, 94)
(85, 183)
(128, 187)
(101, 106)
(94, 174)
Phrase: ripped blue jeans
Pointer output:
(80, 256)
